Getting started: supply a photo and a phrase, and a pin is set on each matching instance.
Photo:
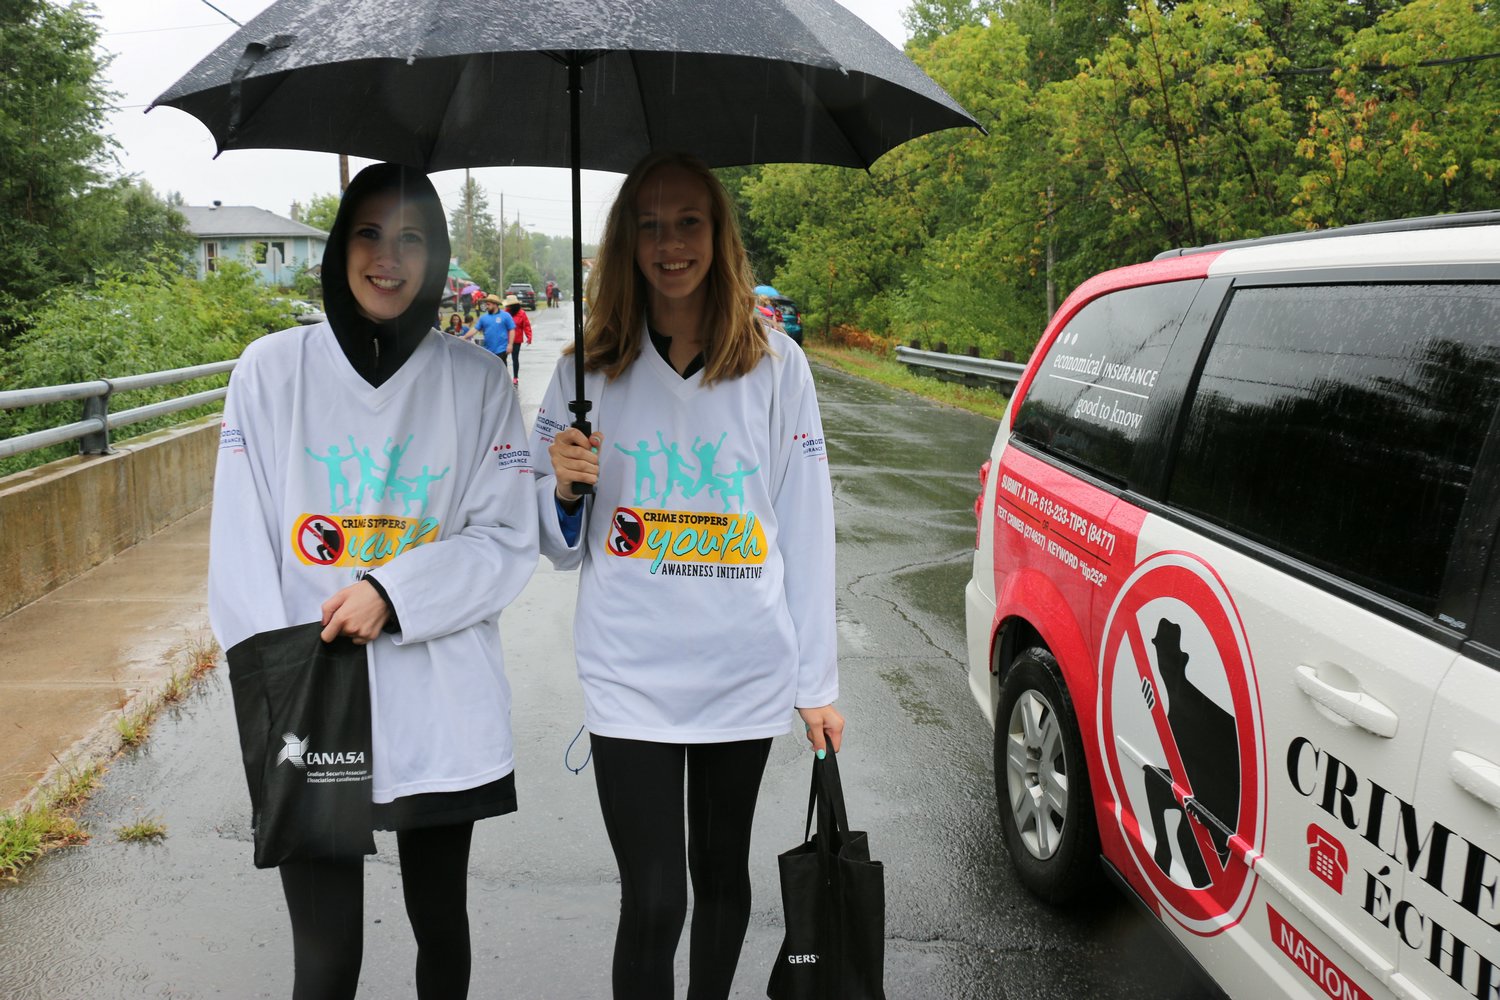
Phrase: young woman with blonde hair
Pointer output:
(706, 601)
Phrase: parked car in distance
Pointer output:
(525, 293)
(1235, 606)
(791, 317)
(305, 313)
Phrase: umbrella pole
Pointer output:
(580, 406)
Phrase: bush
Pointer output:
(522, 273)
(129, 325)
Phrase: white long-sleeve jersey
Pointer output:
(706, 598)
(425, 481)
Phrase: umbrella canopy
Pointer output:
(784, 81)
(580, 83)
(767, 290)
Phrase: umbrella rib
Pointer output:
(437, 133)
(810, 99)
(641, 101)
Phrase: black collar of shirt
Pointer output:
(663, 344)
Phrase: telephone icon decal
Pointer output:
(1327, 858)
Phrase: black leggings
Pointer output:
(326, 902)
(641, 795)
(515, 358)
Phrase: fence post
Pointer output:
(96, 442)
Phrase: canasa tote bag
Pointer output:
(303, 711)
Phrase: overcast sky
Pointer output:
(155, 43)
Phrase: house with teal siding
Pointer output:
(275, 246)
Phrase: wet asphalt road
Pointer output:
(191, 917)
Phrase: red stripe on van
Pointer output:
(1150, 273)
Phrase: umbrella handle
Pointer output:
(580, 405)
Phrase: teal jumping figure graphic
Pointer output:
(706, 454)
(393, 452)
(371, 478)
(414, 490)
(643, 470)
(677, 466)
(734, 485)
(337, 481)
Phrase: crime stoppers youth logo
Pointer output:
(1181, 737)
(690, 543)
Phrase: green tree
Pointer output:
(52, 146)
(521, 272)
(134, 225)
(475, 237)
(928, 20)
(155, 317)
(1410, 121)
(319, 212)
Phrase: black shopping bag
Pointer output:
(303, 711)
(834, 899)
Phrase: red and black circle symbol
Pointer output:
(1182, 741)
(626, 532)
(319, 539)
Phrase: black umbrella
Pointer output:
(429, 83)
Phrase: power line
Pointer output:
(148, 31)
(1391, 68)
(220, 12)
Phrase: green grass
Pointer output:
(892, 373)
(135, 727)
(47, 823)
(142, 831)
(50, 820)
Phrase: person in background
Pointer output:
(522, 330)
(695, 646)
(424, 602)
(768, 311)
(495, 326)
(456, 326)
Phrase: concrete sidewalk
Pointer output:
(75, 660)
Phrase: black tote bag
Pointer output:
(834, 899)
(303, 711)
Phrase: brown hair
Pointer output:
(734, 341)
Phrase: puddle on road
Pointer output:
(909, 693)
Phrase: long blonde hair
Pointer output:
(734, 341)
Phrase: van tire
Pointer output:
(1046, 806)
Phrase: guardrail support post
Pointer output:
(97, 442)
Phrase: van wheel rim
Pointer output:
(1036, 774)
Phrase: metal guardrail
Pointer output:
(961, 367)
(93, 430)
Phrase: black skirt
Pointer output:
(414, 812)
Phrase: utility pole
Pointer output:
(468, 215)
(502, 239)
(343, 172)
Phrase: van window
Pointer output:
(1088, 400)
(1340, 424)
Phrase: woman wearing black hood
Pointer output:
(373, 475)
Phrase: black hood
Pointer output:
(398, 338)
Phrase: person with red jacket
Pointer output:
(523, 330)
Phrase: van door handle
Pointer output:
(1354, 706)
(1477, 776)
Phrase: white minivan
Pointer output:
(1235, 609)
